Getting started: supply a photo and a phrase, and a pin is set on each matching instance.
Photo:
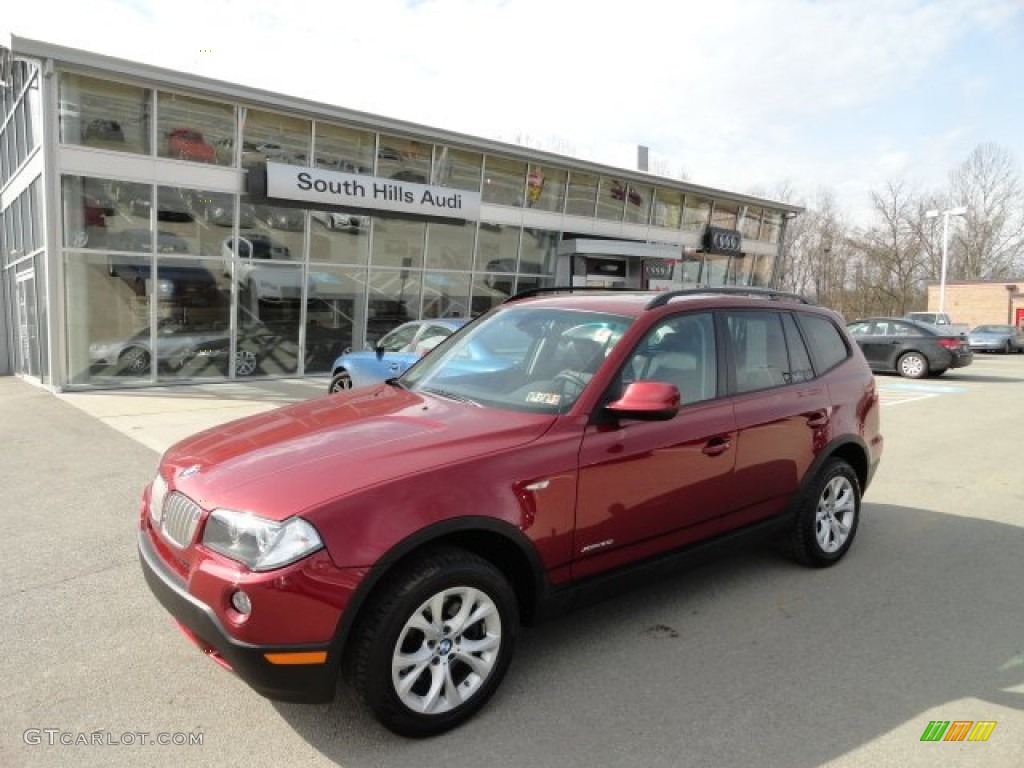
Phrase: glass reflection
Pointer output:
(761, 274)
(485, 296)
(450, 246)
(107, 318)
(193, 333)
(668, 208)
(724, 215)
(545, 188)
(398, 243)
(404, 159)
(394, 298)
(340, 237)
(750, 222)
(696, 213)
(446, 294)
(504, 181)
(268, 136)
(772, 227)
(611, 199)
(335, 315)
(538, 252)
(497, 249)
(104, 114)
(344, 149)
(638, 203)
(194, 129)
(582, 195)
(457, 168)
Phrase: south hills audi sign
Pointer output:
(321, 188)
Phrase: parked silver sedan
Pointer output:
(996, 338)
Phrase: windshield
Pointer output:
(520, 358)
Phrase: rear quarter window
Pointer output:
(827, 345)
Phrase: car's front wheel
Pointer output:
(135, 360)
(340, 382)
(913, 365)
(434, 645)
(827, 516)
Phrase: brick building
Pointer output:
(982, 301)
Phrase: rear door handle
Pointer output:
(716, 446)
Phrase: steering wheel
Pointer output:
(572, 379)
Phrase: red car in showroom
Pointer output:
(189, 144)
(398, 535)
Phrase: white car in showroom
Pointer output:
(264, 267)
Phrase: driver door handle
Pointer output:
(716, 446)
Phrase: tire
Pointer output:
(423, 674)
(245, 362)
(827, 516)
(340, 382)
(134, 360)
(912, 365)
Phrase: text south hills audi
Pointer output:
(397, 535)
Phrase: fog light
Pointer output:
(241, 603)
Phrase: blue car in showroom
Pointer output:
(393, 354)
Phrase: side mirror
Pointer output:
(379, 351)
(647, 401)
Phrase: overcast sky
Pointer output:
(741, 95)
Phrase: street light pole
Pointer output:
(958, 211)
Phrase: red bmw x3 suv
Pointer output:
(397, 535)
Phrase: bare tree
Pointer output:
(990, 244)
(893, 262)
(817, 254)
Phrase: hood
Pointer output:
(282, 462)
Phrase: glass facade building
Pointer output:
(159, 227)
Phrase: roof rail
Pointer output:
(735, 290)
(568, 289)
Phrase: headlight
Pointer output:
(261, 544)
(157, 494)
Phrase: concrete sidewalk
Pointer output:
(158, 417)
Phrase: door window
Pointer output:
(758, 350)
(680, 350)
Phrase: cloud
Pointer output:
(740, 93)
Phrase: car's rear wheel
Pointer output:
(912, 365)
(434, 645)
(341, 382)
(827, 516)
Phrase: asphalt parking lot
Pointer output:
(748, 661)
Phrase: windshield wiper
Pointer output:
(450, 395)
(394, 381)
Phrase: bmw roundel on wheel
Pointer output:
(397, 535)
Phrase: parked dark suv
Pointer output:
(399, 534)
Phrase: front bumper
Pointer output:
(312, 683)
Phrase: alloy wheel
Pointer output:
(837, 507)
(446, 650)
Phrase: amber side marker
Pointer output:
(299, 657)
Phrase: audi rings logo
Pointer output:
(726, 241)
(717, 240)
